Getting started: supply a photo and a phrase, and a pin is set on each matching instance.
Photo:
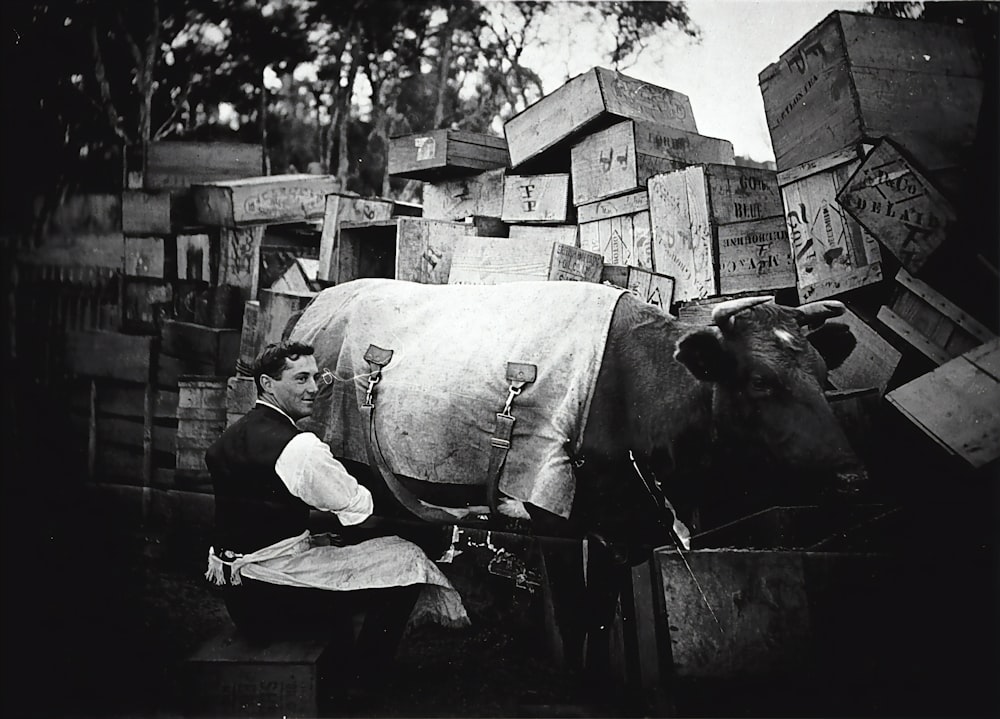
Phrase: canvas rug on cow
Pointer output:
(439, 395)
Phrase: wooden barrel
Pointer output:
(201, 419)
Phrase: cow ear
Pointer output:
(703, 354)
(834, 342)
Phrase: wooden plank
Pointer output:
(956, 405)
(172, 165)
(194, 254)
(871, 364)
(130, 432)
(898, 205)
(424, 249)
(110, 355)
(477, 195)
(241, 394)
(536, 198)
(490, 261)
(262, 200)
(146, 213)
(902, 328)
(187, 340)
(248, 337)
(339, 209)
(445, 154)
(613, 206)
(592, 97)
(621, 239)
(943, 305)
(563, 234)
(682, 233)
(832, 252)
(123, 400)
(146, 257)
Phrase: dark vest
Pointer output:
(253, 508)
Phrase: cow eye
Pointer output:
(759, 385)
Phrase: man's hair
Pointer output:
(271, 360)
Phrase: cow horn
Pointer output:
(723, 311)
(815, 312)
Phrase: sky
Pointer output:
(739, 38)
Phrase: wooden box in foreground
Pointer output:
(491, 261)
(445, 154)
(618, 228)
(176, 165)
(719, 229)
(588, 101)
(856, 77)
(621, 158)
(833, 253)
(263, 200)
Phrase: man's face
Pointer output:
(295, 391)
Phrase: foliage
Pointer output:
(322, 83)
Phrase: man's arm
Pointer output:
(312, 474)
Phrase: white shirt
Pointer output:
(314, 475)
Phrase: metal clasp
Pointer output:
(514, 391)
(373, 379)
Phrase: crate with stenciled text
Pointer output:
(537, 198)
(856, 77)
(262, 200)
(591, 101)
(833, 252)
(649, 286)
(719, 229)
(623, 157)
(618, 229)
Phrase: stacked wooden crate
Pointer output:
(874, 123)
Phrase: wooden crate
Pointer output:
(491, 261)
(932, 324)
(263, 200)
(239, 259)
(340, 209)
(718, 229)
(248, 337)
(956, 404)
(856, 78)
(900, 207)
(160, 212)
(200, 343)
(172, 165)
(623, 157)
(871, 364)
(619, 229)
(445, 154)
(201, 419)
(145, 304)
(536, 198)
(230, 676)
(591, 101)
(476, 195)
(833, 253)
(651, 287)
(241, 395)
(406, 248)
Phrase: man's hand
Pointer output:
(326, 539)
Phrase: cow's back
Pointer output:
(437, 401)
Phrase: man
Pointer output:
(284, 581)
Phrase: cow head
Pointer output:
(768, 366)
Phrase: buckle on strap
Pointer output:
(518, 374)
(377, 358)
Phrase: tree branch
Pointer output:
(104, 87)
(163, 130)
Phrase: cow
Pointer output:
(669, 398)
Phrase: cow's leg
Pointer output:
(563, 565)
